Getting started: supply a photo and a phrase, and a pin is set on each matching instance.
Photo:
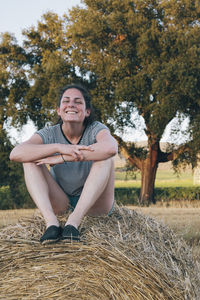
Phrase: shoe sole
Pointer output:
(70, 239)
(47, 242)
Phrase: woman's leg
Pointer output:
(97, 196)
(45, 192)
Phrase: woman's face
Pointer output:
(72, 106)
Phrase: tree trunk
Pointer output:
(148, 174)
(148, 165)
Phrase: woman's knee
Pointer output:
(32, 166)
(102, 163)
(29, 165)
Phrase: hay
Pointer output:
(124, 256)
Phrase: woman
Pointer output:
(79, 151)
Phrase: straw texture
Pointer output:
(124, 256)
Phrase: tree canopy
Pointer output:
(34, 73)
(143, 56)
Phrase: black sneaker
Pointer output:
(52, 234)
(70, 233)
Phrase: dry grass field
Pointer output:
(8, 217)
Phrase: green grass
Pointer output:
(127, 184)
(164, 178)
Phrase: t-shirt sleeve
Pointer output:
(96, 128)
(46, 135)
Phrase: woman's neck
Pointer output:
(73, 131)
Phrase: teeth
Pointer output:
(71, 112)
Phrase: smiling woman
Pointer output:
(79, 151)
(83, 97)
(72, 108)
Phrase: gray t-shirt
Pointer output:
(71, 176)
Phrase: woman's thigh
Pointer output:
(105, 202)
(58, 198)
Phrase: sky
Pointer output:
(16, 15)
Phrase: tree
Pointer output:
(142, 56)
(13, 87)
(34, 73)
(49, 67)
(13, 81)
(11, 177)
(30, 76)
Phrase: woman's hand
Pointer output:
(75, 151)
(69, 152)
(55, 160)
(50, 160)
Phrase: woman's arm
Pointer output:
(105, 147)
(34, 150)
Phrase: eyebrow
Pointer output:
(77, 98)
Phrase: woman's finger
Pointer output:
(40, 163)
(79, 154)
(83, 147)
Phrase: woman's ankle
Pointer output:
(72, 220)
(52, 222)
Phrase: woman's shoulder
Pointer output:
(97, 125)
(92, 130)
(50, 128)
(49, 132)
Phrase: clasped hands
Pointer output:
(69, 152)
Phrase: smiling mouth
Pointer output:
(71, 112)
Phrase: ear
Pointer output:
(88, 111)
(58, 111)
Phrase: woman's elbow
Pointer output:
(113, 150)
(14, 157)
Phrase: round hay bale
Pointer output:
(124, 256)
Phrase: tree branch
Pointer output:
(131, 157)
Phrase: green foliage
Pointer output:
(127, 196)
(32, 75)
(141, 54)
(5, 148)
(177, 193)
(123, 196)
(13, 80)
(19, 194)
(11, 200)
(13, 193)
(130, 196)
(5, 198)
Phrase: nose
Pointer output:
(70, 103)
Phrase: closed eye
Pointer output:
(76, 100)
